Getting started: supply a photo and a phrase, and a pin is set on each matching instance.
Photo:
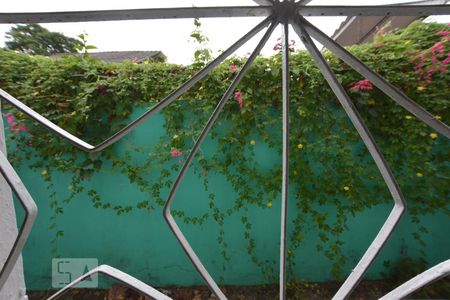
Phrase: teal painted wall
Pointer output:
(141, 244)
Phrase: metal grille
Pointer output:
(288, 12)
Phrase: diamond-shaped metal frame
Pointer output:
(435, 273)
(28, 204)
(118, 275)
(288, 12)
(400, 203)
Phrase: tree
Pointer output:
(35, 39)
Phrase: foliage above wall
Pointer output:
(35, 39)
(329, 165)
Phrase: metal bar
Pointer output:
(45, 122)
(218, 12)
(118, 275)
(285, 180)
(386, 10)
(263, 2)
(399, 201)
(372, 252)
(136, 14)
(303, 2)
(167, 213)
(435, 273)
(155, 109)
(390, 90)
(28, 204)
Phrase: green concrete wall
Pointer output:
(141, 244)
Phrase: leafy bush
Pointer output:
(329, 165)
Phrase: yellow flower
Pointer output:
(346, 188)
(438, 118)
(44, 172)
(421, 88)
(433, 136)
(252, 142)
(371, 102)
(408, 117)
(419, 174)
(269, 205)
(176, 137)
(300, 146)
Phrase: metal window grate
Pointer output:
(288, 12)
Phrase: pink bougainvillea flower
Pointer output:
(277, 47)
(175, 153)
(429, 74)
(233, 68)
(363, 85)
(9, 118)
(444, 63)
(13, 126)
(438, 48)
(23, 127)
(238, 97)
(18, 127)
(419, 66)
(443, 33)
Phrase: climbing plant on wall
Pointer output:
(94, 99)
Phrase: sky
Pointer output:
(169, 36)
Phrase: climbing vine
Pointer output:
(329, 164)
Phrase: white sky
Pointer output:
(169, 36)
